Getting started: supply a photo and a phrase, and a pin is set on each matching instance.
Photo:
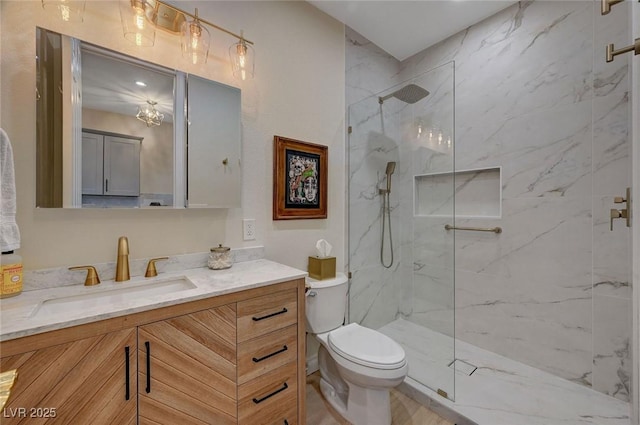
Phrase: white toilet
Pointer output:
(358, 365)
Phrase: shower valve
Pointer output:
(622, 213)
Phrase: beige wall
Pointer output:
(298, 92)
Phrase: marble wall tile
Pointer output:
(507, 316)
(374, 296)
(611, 146)
(612, 365)
(369, 69)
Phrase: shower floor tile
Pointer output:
(501, 391)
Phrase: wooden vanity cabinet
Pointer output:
(79, 382)
(220, 360)
(187, 369)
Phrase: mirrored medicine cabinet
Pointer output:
(113, 131)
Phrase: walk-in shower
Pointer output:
(530, 324)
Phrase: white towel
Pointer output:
(9, 232)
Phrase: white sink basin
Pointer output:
(125, 291)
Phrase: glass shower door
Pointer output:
(401, 197)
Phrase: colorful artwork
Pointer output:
(299, 179)
(302, 170)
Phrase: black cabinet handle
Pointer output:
(282, 350)
(257, 319)
(286, 422)
(126, 371)
(148, 346)
(279, 390)
(106, 185)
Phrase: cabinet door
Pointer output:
(121, 166)
(187, 369)
(81, 382)
(92, 160)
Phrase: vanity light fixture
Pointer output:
(139, 18)
(195, 37)
(195, 40)
(242, 59)
(149, 114)
(67, 10)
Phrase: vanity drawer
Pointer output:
(261, 315)
(263, 354)
(270, 399)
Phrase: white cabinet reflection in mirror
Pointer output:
(110, 169)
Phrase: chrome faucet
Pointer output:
(122, 266)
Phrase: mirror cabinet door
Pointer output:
(213, 116)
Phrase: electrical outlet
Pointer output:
(249, 229)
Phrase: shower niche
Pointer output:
(478, 193)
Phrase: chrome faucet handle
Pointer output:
(92, 275)
(151, 267)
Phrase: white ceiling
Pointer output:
(404, 28)
(109, 84)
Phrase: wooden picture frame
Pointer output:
(299, 179)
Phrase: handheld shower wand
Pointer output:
(391, 167)
(386, 213)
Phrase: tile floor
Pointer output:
(404, 410)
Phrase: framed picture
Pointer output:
(299, 179)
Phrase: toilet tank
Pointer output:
(326, 303)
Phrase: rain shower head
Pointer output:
(410, 93)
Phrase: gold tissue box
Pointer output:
(322, 268)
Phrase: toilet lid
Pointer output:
(366, 347)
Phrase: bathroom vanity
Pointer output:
(228, 350)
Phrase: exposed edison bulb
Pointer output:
(449, 142)
(242, 58)
(440, 138)
(419, 130)
(196, 34)
(65, 12)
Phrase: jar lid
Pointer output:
(220, 248)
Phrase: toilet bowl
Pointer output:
(358, 366)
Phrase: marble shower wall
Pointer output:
(375, 290)
(534, 96)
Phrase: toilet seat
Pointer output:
(366, 347)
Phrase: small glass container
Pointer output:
(220, 258)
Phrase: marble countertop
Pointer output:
(25, 315)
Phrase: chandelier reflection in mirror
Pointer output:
(149, 115)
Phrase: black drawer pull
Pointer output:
(282, 350)
(286, 422)
(147, 345)
(257, 319)
(279, 390)
(126, 371)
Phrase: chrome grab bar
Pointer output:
(476, 229)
